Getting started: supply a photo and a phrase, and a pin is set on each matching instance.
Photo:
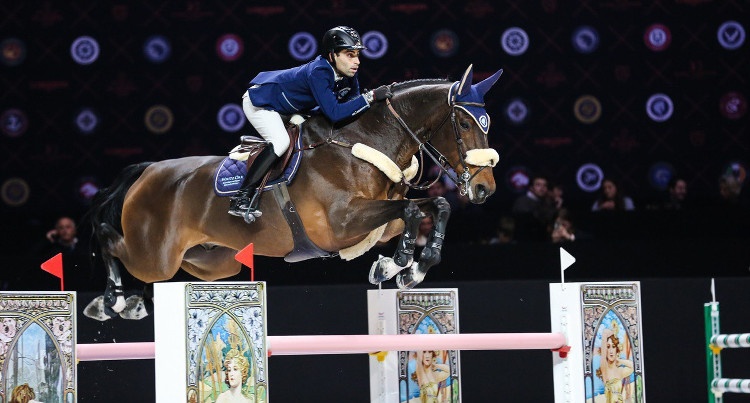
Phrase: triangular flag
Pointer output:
(566, 259)
(245, 256)
(54, 266)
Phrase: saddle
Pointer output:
(232, 170)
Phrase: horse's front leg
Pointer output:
(385, 267)
(430, 255)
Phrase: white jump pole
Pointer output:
(352, 344)
(722, 385)
(737, 340)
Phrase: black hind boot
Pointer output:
(240, 204)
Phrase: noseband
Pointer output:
(436, 156)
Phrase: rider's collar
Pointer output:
(472, 103)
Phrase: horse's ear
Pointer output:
(465, 84)
(485, 85)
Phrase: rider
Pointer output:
(329, 83)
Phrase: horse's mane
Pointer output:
(405, 85)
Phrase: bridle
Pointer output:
(440, 160)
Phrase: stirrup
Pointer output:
(251, 214)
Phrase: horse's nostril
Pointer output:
(481, 191)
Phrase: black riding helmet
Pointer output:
(339, 38)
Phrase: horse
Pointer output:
(349, 193)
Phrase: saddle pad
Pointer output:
(231, 173)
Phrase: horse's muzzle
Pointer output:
(480, 194)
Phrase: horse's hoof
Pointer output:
(410, 279)
(383, 269)
(135, 308)
(376, 272)
(97, 310)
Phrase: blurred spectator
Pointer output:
(611, 198)
(533, 212)
(555, 195)
(729, 190)
(563, 229)
(504, 231)
(77, 266)
(677, 196)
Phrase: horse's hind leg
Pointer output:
(430, 255)
(113, 301)
(385, 267)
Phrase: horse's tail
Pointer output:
(106, 208)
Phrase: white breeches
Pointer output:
(268, 124)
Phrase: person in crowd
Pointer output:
(78, 270)
(563, 229)
(532, 212)
(677, 194)
(611, 198)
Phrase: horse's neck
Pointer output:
(422, 111)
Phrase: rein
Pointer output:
(437, 157)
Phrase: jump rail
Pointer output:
(353, 344)
(715, 342)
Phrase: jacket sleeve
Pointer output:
(322, 84)
(355, 87)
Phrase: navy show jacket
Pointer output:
(302, 88)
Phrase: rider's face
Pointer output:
(346, 62)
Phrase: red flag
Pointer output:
(245, 256)
(54, 266)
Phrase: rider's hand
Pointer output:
(381, 93)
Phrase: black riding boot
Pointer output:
(240, 204)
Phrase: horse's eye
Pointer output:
(465, 125)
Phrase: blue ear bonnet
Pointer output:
(470, 97)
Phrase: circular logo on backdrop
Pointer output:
(15, 192)
(157, 49)
(514, 41)
(516, 111)
(86, 189)
(731, 35)
(14, 122)
(231, 118)
(84, 50)
(86, 121)
(589, 177)
(376, 44)
(229, 47)
(585, 39)
(657, 37)
(517, 179)
(12, 52)
(159, 119)
(587, 109)
(659, 175)
(303, 46)
(659, 107)
(444, 43)
(733, 105)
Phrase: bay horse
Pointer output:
(349, 191)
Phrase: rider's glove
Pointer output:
(379, 94)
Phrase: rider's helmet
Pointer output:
(339, 38)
